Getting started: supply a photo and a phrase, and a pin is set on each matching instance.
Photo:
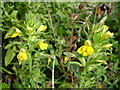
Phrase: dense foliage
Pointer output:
(60, 45)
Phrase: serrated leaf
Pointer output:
(9, 56)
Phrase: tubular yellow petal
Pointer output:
(22, 55)
(40, 41)
(18, 31)
(105, 27)
(84, 48)
(107, 45)
(29, 28)
(15, 34)
(43, 46)
(41, 28)
(108, 34)
(80, 50)
(90, 50)
(66, 59)
(102, 61)
(49, 60)
(85, 54)
(87, 43)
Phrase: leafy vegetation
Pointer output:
(60, 45)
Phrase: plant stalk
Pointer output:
(53, 74)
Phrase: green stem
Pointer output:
(53, 73)
(30, 63)
(30, 53)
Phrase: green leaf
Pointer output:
(9, 56)
(82, 60)
(4, 85)
(9, 33)
(74, 69)
(17, 85)
(14, 14)
(15, 70)
(69, 54)
(71, 62)
(65, 85)
(8, 46)
(5, 70)
(48, 56)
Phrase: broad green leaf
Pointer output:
(69, 54)
(82, 60)
(9, 56)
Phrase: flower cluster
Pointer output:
(22, 55)
(86, 49)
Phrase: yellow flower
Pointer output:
(87, 42)
(41, 28)
(85, 54)
(105, 27)
(90, 50)
(108, 34)
(107, 45)
(29, 28)
(16, 33)
(49, 60)
(43, 46)
(66, 59)
(102, 61)
(22, 55)
(80, 50)
(40, 41)
(85, 50)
